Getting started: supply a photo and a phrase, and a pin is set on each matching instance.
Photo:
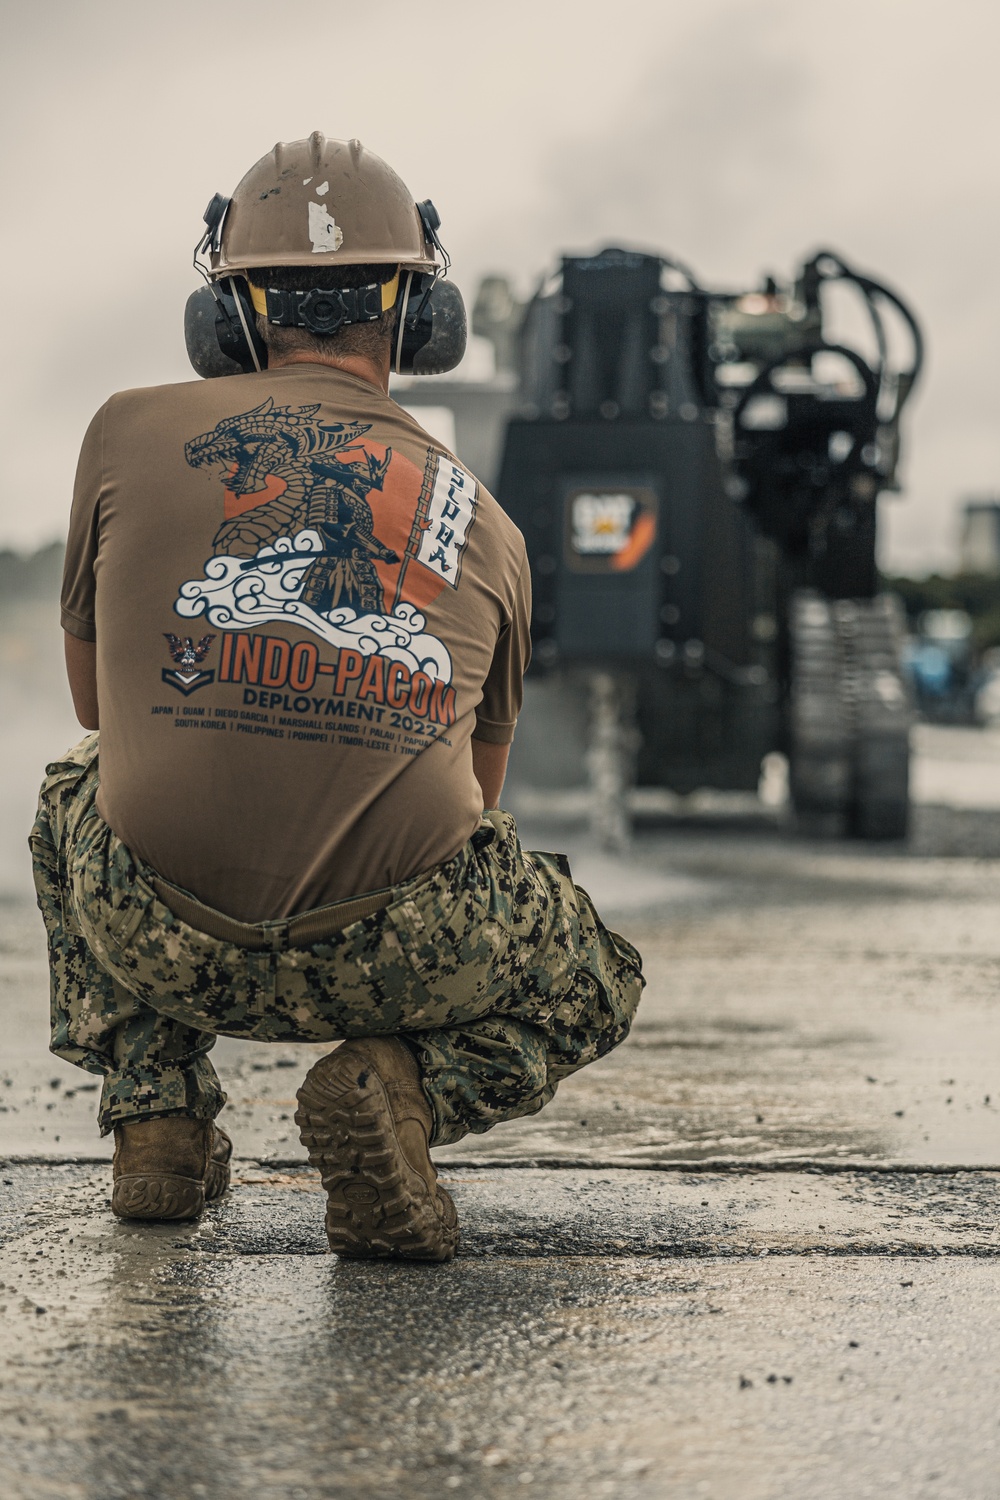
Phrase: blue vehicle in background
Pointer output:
(939, 663)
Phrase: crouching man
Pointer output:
(300, 626)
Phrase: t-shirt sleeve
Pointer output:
(503, 690)
(78, 585)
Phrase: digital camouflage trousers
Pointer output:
(494, 967)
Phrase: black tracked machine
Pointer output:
(696, 474)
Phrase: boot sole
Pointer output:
(170, 1195)
(159, 1197)
(378, 1206)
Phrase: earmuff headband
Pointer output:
(405, 301)
(244, 324)
(325, 311)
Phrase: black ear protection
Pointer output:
(220, 330)
(220, 319)
(220, 324)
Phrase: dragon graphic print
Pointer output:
(330, 531)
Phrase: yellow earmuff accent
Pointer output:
(390, 291)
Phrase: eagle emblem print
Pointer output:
(188, 674)
(325, 529)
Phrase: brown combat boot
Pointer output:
(366, 1123)
(168, 1167)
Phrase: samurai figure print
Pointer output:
(321, 528)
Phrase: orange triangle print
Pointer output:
(393, 510)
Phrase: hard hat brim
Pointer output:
(221, 266)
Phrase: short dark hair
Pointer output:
(357, 338)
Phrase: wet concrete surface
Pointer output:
(530, 1213)
(753, 1254)
(159, 1361)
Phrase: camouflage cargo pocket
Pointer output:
(613, 963)
(45, 869)
(69, 783)
(452, 943)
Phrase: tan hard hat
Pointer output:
(322, 203)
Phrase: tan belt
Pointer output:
(290, 932)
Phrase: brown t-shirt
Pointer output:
(304, 610)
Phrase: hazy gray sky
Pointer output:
(737, 134)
